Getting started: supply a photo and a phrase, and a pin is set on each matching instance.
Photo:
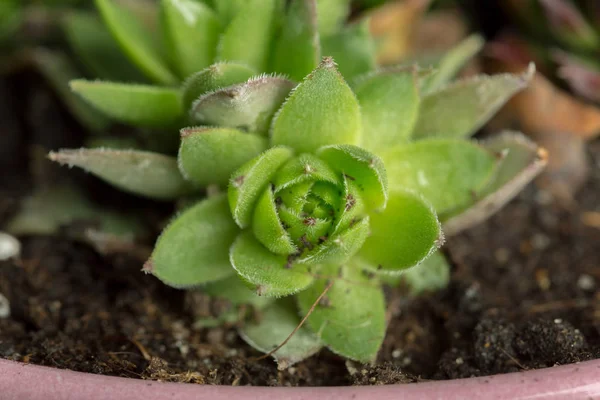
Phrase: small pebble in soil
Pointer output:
(4, 307)
(586, 282)
(10, 247)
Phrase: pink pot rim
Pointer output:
(25, 381)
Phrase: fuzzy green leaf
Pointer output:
(48, 210)
(522, 161)
(431, 275)
(191, 32)
(210, 155)
(461, 108)
(97, 49)
(217, 76)
(305, 167)
(353, 49)
(403, 235)
(331, 15)
(339, 248)
(228, 9)
(247, 183)
(248, 37)
(267, 227)
(236, 291)
(270, 273)
(274, 326)
(452, 61)
(139, 172)
(136, 41)
(364, 169)
(140, 105)
(350, 318)
(58, 70)
(297, 49)
(389, 103)
(249, 106)
(322, 110)
(194, 248)
(447, 172)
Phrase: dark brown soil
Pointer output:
(524, 294)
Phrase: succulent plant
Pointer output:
(163, 58)
(564, 35)
(321, 191)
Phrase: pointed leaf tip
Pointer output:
(139, 172)
(322, 110)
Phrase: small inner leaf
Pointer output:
(271, 273)
(210, 155)
(194, 248)
(139, 172)
(389, 102)
(248, 106)
(136, 41)
(247, 183)
(305, 167)
(140, 105)
(350, 318)
(402, 236)
(447, 172)
(364, 169)
(461, 108)
(191, 31)
(297, 49)
(267, 226)
(274, 326)
(248, 37)
(210, 79)
(322, 110)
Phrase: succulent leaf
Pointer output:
(452, 61)
(272, 274)
(191, 33)
(276, 323)
(58, 70)
(236, 291)
(522, 161)
(322, 110)
(97, 49)
(136, 41)
(331, 15)
(248, 182)
(448, 172)
(211, 155)
(389, 102)
(350, 318)
(402, 235)
(143, 105)
(194, 248)
(247, 39)
(364, 169)
(459, 109)
(249, 106)
(143, 173)
(297, 49)
(353, 48)
(268, 228)
(430, 275)
(210, 79)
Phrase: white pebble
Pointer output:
(9, 246)
(4, 307)
(396, 353)
(586, 282)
